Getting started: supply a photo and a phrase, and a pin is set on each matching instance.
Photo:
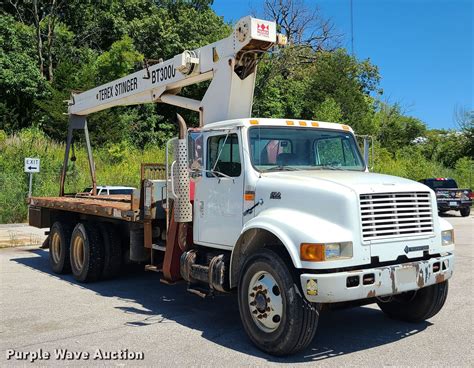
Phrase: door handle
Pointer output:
(250, 210)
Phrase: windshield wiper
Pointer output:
(328, 167)
(282, 168)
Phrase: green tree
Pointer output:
(119, 61)
(395, 130)
(20, 79)
(329, 110)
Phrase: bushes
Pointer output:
(119, 164)
(113, 167)
(410, 162)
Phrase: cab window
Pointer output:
(223, 156)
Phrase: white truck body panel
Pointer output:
(218, 207)
(316, 206)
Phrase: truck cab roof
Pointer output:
(248, 122)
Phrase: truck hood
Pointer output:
(359, 182)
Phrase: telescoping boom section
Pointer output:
(230, 63)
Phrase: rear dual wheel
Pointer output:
(112, 250)
(59, 239)
(95, 252)
(86, 252)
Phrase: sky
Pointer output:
(423, 48)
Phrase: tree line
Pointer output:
(49, 48)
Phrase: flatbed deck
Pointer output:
(124, 207)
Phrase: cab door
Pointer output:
(218, 203)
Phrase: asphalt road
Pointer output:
(40, 310)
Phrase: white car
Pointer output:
(111, 190)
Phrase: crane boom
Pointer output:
(230, 63)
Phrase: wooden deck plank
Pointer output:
(106, 206)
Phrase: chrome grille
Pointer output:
(394, 215)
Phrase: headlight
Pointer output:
(325, 252)
(447, 237)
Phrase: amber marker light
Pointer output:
(312, 252)
(249, 196)
(315, 124)
(345, 127)
(303, 123)
(289, 122)
(254, 122)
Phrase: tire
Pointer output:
(417, 306)
(59, 239)
(466, 211)
(112, 251)
(86, 253)
(294, 329)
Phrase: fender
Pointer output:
(291, 228)
(444, 225)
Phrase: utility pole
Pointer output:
(352, 28)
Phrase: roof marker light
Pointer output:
(254, 122)
(315, 124)
(303, 123)
(289, 122)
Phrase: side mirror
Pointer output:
(366, 151)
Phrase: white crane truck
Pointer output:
(284, 212)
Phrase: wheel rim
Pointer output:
(78, 253)
(55, 247)
(265, 301)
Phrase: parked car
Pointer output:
(111, 190)
(449, 196)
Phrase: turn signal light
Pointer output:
(318, 252)
(312, 252)
(249, 196)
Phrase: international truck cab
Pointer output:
(281, 211)
(298, 192)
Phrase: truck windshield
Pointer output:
(296, 148)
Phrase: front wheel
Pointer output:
(418, 305)
(465, 211)
(275, 315)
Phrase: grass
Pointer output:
(119, 164)
(115, 165)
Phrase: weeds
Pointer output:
(119, 164)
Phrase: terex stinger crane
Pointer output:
(230, 64)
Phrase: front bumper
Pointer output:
(387, 280)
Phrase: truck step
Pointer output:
(203, 293)
(153, 268)
(158, 247)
